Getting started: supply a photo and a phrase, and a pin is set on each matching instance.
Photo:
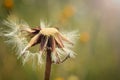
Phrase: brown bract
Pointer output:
(48, 38)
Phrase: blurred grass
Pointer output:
(97, 49)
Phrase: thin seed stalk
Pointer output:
(48, 65)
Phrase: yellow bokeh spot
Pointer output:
(8, 4)
(67, 12)
(72, 77)
(84, 37)
(59, 78)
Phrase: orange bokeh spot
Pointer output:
(68, 11)
(84, 37)
(8, 4)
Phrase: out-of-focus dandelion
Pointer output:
(8, 4)
(54, 44)
(59, 78)
(84, 37)
(67, 12)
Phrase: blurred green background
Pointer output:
(98, 48)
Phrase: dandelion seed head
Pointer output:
(60, 44)
(49, 31)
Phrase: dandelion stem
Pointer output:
(48, 65)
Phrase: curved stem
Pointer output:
(48, 65)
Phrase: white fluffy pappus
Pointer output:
(17, 37)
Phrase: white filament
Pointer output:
(18, 39)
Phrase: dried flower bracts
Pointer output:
(46, 37)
